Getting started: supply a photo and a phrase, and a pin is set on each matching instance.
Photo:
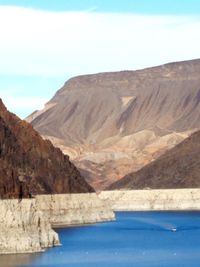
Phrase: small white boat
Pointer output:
(173, 229)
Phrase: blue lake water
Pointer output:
(140, 239)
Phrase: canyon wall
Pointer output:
(23, 228)
(152, 200)
(73, 209)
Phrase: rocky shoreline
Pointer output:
(26, 225)
(24, 229)
(152, 200)
(74, 209)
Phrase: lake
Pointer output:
(141, 239)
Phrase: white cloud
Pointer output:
(52, 43)
(64, 44)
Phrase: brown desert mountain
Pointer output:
(177, 168)
(30, 165)
(112, 124)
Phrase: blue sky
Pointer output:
(44, 43)
(135, 6)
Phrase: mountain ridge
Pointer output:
(156, 107)
(30, 165)
(177, 168)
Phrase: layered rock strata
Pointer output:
(151, 200)
(23, 228)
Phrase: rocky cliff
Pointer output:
(74, 209)
(114, 123)
(25, 225)
(30, 165)
(24, 229)
(177, 168)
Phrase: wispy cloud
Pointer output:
(35, 42)
(50, 43)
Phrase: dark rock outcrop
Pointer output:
(30, 165)
(177, 168)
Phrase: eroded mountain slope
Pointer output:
(177, 168)
(114, 123)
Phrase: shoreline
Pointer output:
(131, 232)
(80, 225)
(27, 226)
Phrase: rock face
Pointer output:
(25, 224)
(115, 123)
(24, 229)
(150, 200)
(30, 165)
(177, 168)
(74, 209)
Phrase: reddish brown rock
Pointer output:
(30, 165)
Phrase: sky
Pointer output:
(44, 43)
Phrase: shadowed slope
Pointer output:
(177, 168)
(30, 165)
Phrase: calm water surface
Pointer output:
(140, 239)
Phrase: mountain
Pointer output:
(111, 124)
(177, 168)
(30, 165)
